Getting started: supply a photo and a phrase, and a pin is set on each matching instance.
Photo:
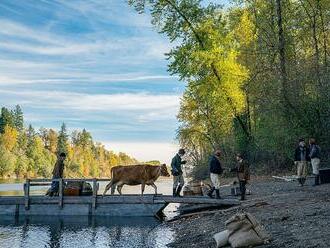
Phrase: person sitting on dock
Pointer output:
(243, 174)
(57, 173)
(177, 173)
(215, 173)
(301, 158)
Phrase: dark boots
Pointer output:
(176, 192)
(210, 194)
(301, 181)
(317, 180)
(242, 186)
(217, 194)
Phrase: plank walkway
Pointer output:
(117, 199)
(112, 205)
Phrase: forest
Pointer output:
(27, 153)
(256, 75)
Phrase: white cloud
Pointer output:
(145, 151)
(101, 102)
(45, 42)
(100, 10)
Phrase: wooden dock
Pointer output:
(95, 205)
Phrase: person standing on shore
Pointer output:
(57, 174)
(177, 173)
(215, 173)
(314, 154)
(301, 158)
(243, 174)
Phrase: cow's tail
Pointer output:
(113, 186)
(110, 184)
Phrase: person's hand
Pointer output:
(295, 163)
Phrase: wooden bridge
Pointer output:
(109, 205)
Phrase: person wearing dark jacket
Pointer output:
(177, 173)
(243, 174)
(215, 172)
(301, 158)
(57, 173)
(314, 155)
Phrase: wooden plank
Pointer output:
(94, 193)
(40, 180)
(27, 193)
(40, 184)
(60, 193)
(197, 200)
(117, 199)
(78, 200)
(132, 199)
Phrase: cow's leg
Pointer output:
(119, 187)
(113, 188)
(108, 187)
(155, 187)
(143, 185)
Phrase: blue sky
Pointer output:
(93, 64)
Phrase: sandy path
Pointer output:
(294, 216)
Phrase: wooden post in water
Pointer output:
(27, 194)
(60, 193)
(94, 193)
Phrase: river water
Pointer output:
(41, 231)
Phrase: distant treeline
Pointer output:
(25, 152)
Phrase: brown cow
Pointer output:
(144, 174)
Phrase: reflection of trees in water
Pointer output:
(57, 232)
(34, 234)
(125, 236)
(25, 229)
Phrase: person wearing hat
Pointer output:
(215, 173)
(57, 173)
(301, 158)
(243, 174)
(177, 173)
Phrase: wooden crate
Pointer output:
(72, 191)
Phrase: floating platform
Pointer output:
(95, 205)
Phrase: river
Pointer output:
(41, 231)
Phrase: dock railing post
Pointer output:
(27, 194)
(94, 192)
(60, 193)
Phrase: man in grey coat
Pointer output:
(177, 173)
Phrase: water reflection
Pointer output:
(71, 232)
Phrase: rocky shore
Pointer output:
(294, 216)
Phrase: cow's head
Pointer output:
(164, 171)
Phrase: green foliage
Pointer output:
(62, 140)
(7, 161)
(257, 76)
(18, 118)
(26, 153)
(6, 119)
(153, 162)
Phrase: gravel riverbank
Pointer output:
(294, 216)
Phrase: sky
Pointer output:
(93, 64)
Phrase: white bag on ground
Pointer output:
(221, 238)
(244, 231)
